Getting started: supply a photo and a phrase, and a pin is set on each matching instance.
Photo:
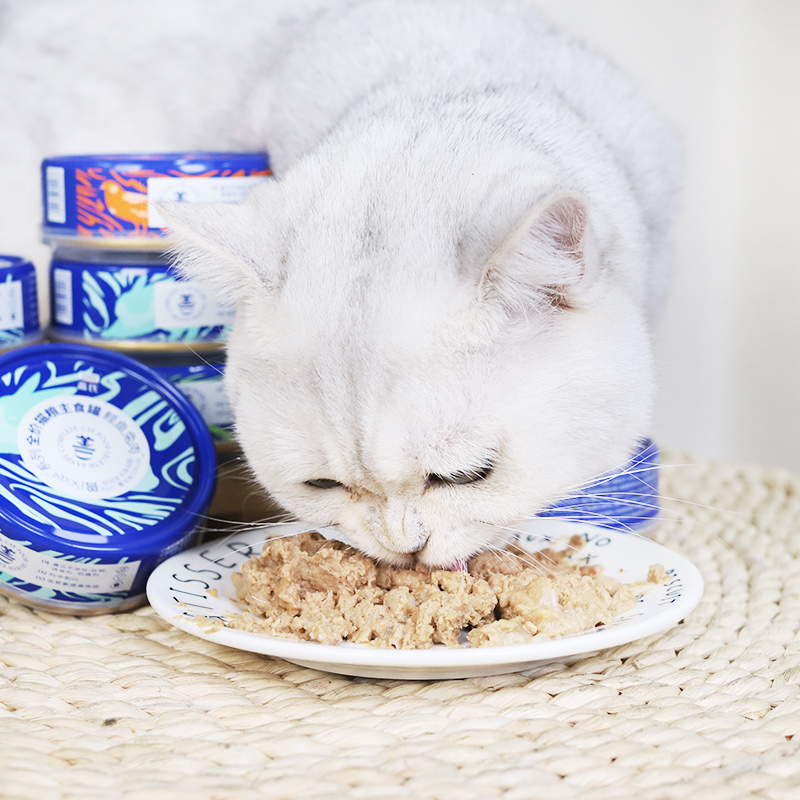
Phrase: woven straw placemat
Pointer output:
(125, 706)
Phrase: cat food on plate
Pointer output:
(19, 305)
(132, 302)
(111, 200)
(311, 588)
(105, 471)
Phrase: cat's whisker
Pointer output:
(670, 516)
(601, 520)
(623, 497)
(201, 357)
(633, 471)
(577, 512)
(221, 542)
(638, 463)
(526, 558)
(662, 504)
(239, 525)
(531, 558)
(550, 539)
(245, 548)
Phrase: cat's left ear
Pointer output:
(227, 246)
(548, 262)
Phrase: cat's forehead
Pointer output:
(388, 401)
(405, 202)
(368, 438)
(369, 308)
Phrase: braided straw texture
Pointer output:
(125, 706)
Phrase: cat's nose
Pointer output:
(404, 531)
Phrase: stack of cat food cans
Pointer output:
(111, 438)
(111, 281)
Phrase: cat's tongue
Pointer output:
(459, 566)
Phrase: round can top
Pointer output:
(99, 455)
(95, 200)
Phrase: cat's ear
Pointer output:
(546, 263)
(227, 246)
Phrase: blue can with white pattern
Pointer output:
(201, 379)
(132, 302)
(19, 304)
(106, 470)
(625, 499)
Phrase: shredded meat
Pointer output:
(308, 587)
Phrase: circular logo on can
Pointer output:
(186, 303)
(83, 448)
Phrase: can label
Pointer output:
(115, 197)
(191, 190)
(181, 305)
(61, 288)
(87, 449)
(65, 575)
(123, 303)
(11, 310)
(94, 453)
(204, 386)
(19, 304)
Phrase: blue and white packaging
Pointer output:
(131, 302)
(626, 499)
(19, 304)
(105, 471)
(202, 381)
(111, 200)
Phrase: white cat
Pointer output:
(444, 300)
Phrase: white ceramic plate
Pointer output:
(194, 587)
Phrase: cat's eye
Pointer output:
(323, 483)
(461, 477)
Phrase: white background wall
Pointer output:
(727, 73)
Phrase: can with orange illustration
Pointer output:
(111, 201)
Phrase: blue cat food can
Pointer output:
(625, 499)
(105, 471)
(201, 379)
(131, 302)
(19, 304)
(112, 200)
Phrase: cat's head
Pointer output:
(417, 383)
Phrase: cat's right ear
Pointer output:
(547, 263)
(229, 247)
